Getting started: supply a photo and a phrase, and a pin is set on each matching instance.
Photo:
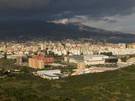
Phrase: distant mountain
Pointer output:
(32, 30)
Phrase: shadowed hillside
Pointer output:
(29, 30)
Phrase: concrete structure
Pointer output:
(49, 74)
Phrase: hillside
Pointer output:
(40, 30)
(110, 86)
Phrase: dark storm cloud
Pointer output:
(17, 7)
(96, 8)
(22, 4)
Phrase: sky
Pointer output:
(115, 15)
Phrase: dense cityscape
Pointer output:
(59, 59)
(67, 50)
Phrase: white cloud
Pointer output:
(113, 23)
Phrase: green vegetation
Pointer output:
(109, 86)
(7, 64)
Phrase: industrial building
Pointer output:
(91, 59)
(94, 59)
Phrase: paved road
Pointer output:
(101, 69)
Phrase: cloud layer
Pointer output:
(90, 12)
(52, 7)
(94, 7)
(22, 4)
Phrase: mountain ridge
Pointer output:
(29, 30)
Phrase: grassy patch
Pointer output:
(109, 86)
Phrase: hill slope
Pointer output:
(109, 86)
(29, 30)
